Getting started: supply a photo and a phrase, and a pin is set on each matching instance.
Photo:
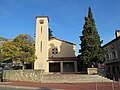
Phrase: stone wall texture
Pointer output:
(23, 75)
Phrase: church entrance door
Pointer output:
(54, 67)
(68, 67)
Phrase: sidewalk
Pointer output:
(62, 86)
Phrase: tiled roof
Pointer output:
(62, 59)
(112, 41)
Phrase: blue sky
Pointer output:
(66, 17)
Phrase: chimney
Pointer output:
(117, 33)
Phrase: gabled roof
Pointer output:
(111, 41)
(62, 40)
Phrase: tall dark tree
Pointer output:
(91, 52)
(50, 33)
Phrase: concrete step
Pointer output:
(59, 78)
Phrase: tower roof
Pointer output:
(43, 17)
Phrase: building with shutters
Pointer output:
(112, 57)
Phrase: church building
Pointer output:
(53, 55)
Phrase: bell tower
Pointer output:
(41, 43)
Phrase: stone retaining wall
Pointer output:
(23, 75)
(92, 71)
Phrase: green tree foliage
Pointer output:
(20, 49)
(2, 40)
(9, 50)
(91, 50)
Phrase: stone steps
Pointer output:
(73, 78)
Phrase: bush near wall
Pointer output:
(23, 75)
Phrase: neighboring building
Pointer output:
(112, 63)
(53, 55)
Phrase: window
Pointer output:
(41, 46)
(41, 21)
(54, 51)
(114, 55)
(41, 30)
(112, 46)
(107, 56)
(106, 50)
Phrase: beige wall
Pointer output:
(41, 44)
(64, 49)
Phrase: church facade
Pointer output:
(53, 55)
